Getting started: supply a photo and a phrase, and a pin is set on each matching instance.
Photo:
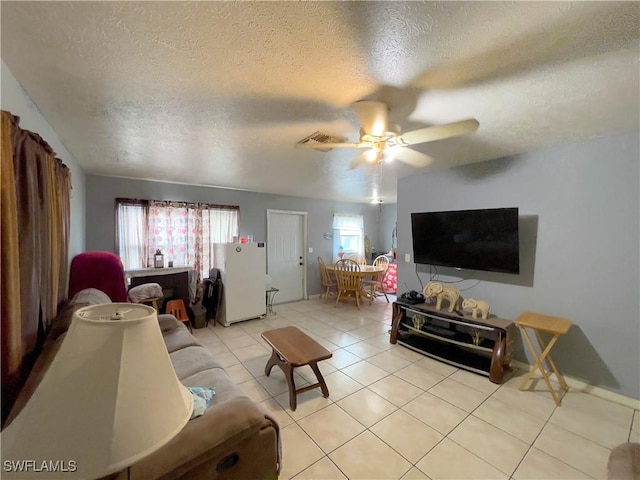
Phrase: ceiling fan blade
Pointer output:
(410, 157)
(438, 132)
(372, 116)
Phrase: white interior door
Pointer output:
(286, 257)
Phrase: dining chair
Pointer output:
(348, 279)
(359, 259)
(376, 284)
(327, 282)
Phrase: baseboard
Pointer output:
(581, 386)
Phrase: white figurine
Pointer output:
(476, 306)
(446, 292)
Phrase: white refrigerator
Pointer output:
(243, 273)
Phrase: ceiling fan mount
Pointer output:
(384, 140)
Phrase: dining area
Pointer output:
(352, 278)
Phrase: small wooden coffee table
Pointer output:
(293, 348)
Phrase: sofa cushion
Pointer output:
(179, 338)
(191, 360)
(226, 388)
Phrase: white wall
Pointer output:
(580, 247)
(15, 100)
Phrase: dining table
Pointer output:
(364, 271)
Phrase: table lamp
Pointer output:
(109, 398)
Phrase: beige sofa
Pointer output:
(233, 439)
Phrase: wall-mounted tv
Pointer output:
(484, 239)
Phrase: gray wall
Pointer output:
(387, 224)
(16, 101)
(580, 242)
(103, 191)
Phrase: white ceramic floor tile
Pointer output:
(458, 394)
(251, 352)
(239, 373)
(450, 461)
(365, 373)
(298, 451)
(276, 383)
(307, 403)
(497, 447)
(420, 377)
(254, 390)
(381, 341)
(240, 341)
(596, 419)
(435, 412)
(331, 427)
(341, 359)
(278, 413)
(475, 381)
(528, 402)
(341, 385)
(323, 469)
(437, 366)
(414, 474)
(572, 444)
(367, 407)
(574, 450)
(389, 361)
(395, 390)
(363, 349)
(537, 465)
(410, 438)
(369, 458)
(510, 419)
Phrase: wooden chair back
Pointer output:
(359, 259)
(381, 261)
(346, 277)
(324, 274)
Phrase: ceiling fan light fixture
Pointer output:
(373, 155)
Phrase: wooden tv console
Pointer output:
(481, 346)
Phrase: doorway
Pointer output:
(286, 254)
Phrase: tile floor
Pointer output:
(395, 414)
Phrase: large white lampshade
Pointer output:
(109, 398)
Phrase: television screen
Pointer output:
(471, 239)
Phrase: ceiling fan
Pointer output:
(384, 141)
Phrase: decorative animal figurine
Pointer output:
(476, 306)
(442, 292)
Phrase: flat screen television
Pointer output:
(484, 239)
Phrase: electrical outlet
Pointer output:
(310, 249)
(407, 258)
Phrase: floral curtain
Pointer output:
(35, 207)
(184, 232)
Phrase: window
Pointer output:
(183, 232)
(348, 235)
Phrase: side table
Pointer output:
(543, 323)
(271, 293)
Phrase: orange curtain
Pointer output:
(35, 238)
(10, 270)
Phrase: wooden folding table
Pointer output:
(544, 323)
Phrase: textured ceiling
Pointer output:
(218, 93)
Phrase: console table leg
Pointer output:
(323, 385)
(273, 360)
